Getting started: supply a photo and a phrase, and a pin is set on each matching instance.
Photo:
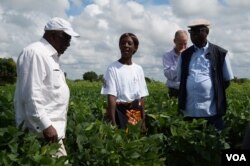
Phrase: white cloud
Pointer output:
(52, 8)
(102, 2)
(239, 4)
(76, 2)
(93, 10)
(135, 8)
(101, 23)
(196, 8)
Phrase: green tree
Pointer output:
(7, 71)
(148, 80)
(90, 76)
(100, 77)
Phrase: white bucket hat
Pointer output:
(57, 23)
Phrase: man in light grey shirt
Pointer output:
(170, 60)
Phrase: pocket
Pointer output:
(205, 67)
(56, 78)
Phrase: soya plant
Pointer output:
(91, 140)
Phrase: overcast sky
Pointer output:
(101, 22)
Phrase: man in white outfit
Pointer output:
(42, 95)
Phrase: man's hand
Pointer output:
(50, 134)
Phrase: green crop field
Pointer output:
(93, 141)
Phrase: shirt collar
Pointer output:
(174, 53)
(51, 50)
(203, 48)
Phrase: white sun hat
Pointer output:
(57, 23)
(199, 22)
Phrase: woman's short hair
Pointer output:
(133, 37)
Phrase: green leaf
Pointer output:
(173, 131)
(12, 157)
(90, 127)
(135, 155)
(152, 116)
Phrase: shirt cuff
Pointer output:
(43, 124)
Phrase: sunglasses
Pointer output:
(197, 31)
(63, 36)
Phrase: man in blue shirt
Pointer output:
(204, 72)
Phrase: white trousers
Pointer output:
(61, 151)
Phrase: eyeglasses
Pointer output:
(197, 31)
(63, 37)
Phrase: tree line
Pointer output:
(8, 74)
(7, 71)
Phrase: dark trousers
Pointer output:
(121, 117)
(172, 92)
(246, 140)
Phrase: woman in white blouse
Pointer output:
(125, 86)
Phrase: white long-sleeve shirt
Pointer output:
(42, 95)
(170, 60)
